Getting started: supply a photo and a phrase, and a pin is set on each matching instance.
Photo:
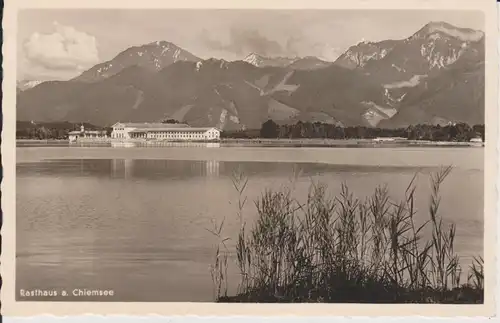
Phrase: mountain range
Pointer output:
(434, 76)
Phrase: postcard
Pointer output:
(249, 158)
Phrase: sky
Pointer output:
(62, 43)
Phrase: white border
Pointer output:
(10, 307)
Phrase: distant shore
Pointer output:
(41, 140)
(296, 142)
(341, 142)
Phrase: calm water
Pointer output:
(139, 226)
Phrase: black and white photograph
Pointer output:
(212, 155)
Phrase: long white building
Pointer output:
(163, 131)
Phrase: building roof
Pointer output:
(182, 129)
(147, 125)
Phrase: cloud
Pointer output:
(244, 41)
(302, 45)
(66, 49)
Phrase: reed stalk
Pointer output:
(345, 249)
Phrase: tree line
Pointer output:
(272, 130)
(318, 130)
(51, 130)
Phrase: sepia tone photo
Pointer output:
(229, 155)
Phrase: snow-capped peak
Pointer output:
(25, 85)
(463, 34)
(161, 43)
(154, 56)
(254, 59)
(361, 42)
(32, 83)
(261, 61)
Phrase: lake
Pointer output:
(136, 220)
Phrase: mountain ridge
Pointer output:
(154, 56)
(433, 74)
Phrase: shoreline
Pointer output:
(328, 142)
(276, 142)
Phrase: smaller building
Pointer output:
(74, 136)
(477, 141)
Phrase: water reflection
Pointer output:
(122, 168)
(156, 169)
(133, 168)
(212, 168)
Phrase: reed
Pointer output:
(344, 249)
